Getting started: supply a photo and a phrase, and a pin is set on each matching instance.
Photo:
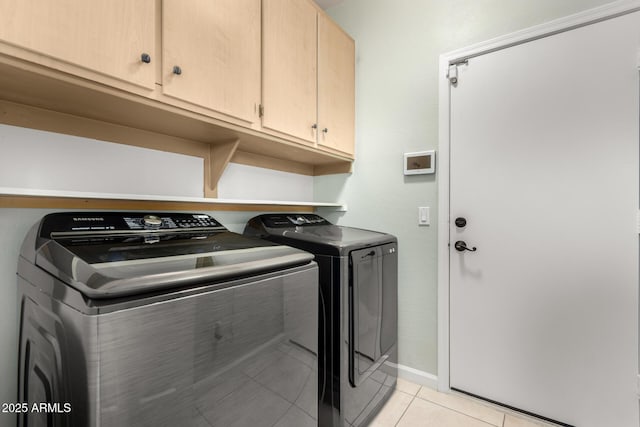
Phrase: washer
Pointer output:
(166, 319)
(358, 311)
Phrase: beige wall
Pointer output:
(398, 43)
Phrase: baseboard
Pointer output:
(418, 377)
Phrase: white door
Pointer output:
(544, 168)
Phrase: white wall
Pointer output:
(39, 160)
(35, 159)
(398, 43)
(253, 183)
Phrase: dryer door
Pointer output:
(372, 311)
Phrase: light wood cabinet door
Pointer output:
(107, 37)
(289, 81)
(216, 45)
(336, 87)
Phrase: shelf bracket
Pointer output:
(219, 157)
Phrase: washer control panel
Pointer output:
(114, 222)
(170, 221)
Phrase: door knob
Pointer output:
(462, 246)
(460, 222)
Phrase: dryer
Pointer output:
(358, 311)
(166, 319)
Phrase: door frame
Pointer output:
(591, 16)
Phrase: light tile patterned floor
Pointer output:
(412, 405)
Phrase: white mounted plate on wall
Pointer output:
(420, 163)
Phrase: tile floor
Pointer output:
(412, 405)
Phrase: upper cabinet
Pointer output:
(289, 70)
(270, 79)
(93, 39)
(307, 76)
(211, 55)
(336, 87)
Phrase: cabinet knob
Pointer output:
(177, 70)
(314, 126)
(145, 57)
(325, 130)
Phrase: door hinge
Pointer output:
(260, 110)
(452, 72)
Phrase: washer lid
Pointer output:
(109, 264)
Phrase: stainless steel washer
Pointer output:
(164, 320)
(358, 313)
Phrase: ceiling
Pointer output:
(327, 3)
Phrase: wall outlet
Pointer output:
(423, 216)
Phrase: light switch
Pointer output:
(423, 215)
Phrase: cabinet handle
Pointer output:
(314, 126)
(325, 130)
(145, 57)
(177, 70)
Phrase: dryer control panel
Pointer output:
(293, 220)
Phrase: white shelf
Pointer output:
(29, 192)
